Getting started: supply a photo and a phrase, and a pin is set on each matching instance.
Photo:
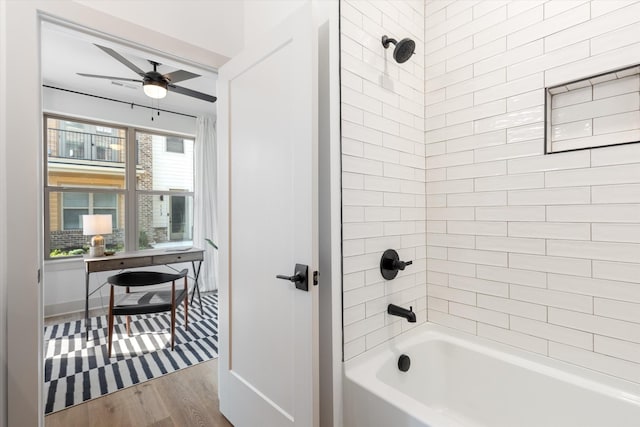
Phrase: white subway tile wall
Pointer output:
(383, 165)
(541, 252)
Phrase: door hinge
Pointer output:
(315, 278)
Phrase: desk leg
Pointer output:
(86, 305)
(196, 286)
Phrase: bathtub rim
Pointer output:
(363, 369)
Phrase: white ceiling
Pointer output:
(66, 52)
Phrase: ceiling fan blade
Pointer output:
(193, 93)
(122, 59)
(180, 75)
(126, 79)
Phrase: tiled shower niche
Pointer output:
(594, 112)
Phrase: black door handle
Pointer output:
(299, 278)
(296, 278)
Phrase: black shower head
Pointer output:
(403, 50)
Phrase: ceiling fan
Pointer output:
(155, 85)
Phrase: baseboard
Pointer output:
(72, 307)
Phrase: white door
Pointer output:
(267, 108)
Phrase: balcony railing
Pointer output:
(68, 144)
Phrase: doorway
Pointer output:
(147, 186)
(177, 217)
(23, 264)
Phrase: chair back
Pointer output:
(145, 278)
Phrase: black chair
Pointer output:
(147, 302)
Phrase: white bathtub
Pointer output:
(459, 380)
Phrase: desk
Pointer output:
(144, 258)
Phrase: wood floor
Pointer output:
(185, 398)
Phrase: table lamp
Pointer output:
(95, 225)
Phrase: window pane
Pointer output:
(164, 220)
(76, 200)
(79, 156)
(105, 200)
(164, 163)
(73, 218)
(65, 223)
(175, 145)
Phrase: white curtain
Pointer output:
(205, 201)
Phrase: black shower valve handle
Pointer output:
(400, 265)
(390, 264)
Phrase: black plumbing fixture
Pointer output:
(404, 49)
(390, 264)
(404, 363)
(396, 310)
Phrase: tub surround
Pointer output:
(460, 380)
(541, 252)
(383, 163)
(443, 159)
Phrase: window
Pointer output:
(175, 145)
(103, 129)
(165, 194)
(148, 193)
(74, 205)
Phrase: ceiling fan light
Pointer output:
(154, 89)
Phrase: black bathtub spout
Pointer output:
(395, 310)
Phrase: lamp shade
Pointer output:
(96, 224)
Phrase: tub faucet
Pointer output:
(395, 310)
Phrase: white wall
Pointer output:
(3, 221)
(538, 251)
(20, 134)
(60, 102)
(64, 286)
(260, 16)
(216, 26)
(330, 291)
(383, 167)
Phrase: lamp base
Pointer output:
(97, 246)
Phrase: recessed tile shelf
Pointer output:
(598, 111)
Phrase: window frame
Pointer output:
(130, 192)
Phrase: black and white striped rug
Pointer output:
(76, 370)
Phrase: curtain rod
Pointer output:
(132, 104)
